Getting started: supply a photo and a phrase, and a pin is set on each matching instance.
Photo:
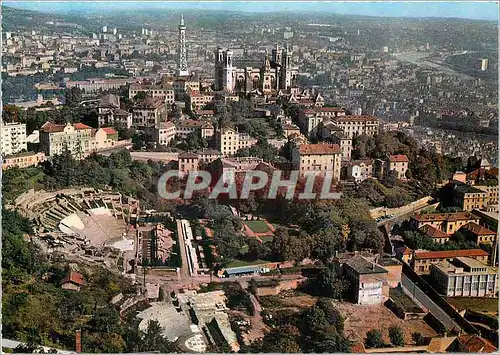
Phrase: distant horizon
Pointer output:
(486, 11)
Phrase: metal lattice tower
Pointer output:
(183, 70)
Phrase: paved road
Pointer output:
(423, 300)
(12, 344)
(158, 156)
(182, 246)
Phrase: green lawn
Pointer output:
(238, 263)
(258, 226)
(266, 238)
(482, 305)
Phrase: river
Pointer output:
(419, 58)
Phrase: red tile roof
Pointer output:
(110, 130)
(450, 254)
(78, 126)
(50, 127)
(433, 232)
(454, 216)
(319, 149)
(476, 344)
(74, 277)
(476, 229)
(399, 158)
(407, 251)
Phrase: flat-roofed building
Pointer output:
(13, 137)
(423, 259)
(318, 157)
(465, 277)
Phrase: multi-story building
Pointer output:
(357, 125)
(163, 133)
(275, 73)
(345, 144)
(23, 160)
(164, 91)
(55, 138)
(230, 141)
(397, 163)
(184, 85)
(317, 157)
(91, 86)
(232, 166)
(366, 280)
(109, 112)
(465, 277)
(468, 197)
(196, 100)
(188, 162)
(207, 155)
(479, 234)
(185, 127)
(437, 235)
(491, 194)
(289, 129)
(360, 170)
(149, 113)
(103, 138)
(448, 223)
(325, 112)
(13, 138)
(422, 259)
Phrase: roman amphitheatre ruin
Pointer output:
(86, 224)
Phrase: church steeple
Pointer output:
(267, 64)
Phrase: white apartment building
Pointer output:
(230, 141)
(465, 277)
(163, 133)
(360, 170)
(13, 138)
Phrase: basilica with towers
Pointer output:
(275, 74)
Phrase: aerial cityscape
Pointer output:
(250, 177)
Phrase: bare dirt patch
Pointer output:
(361, 318)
